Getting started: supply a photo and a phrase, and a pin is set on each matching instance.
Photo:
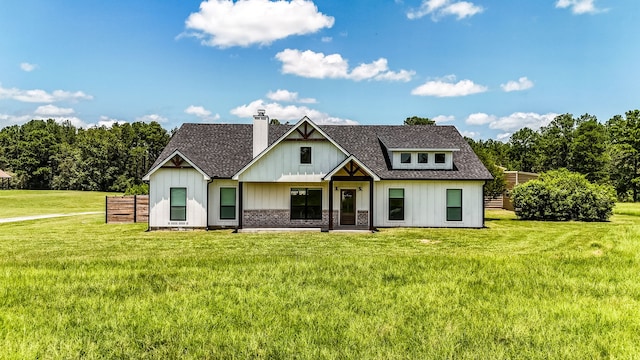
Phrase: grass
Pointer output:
(14, 203)
(78, 288)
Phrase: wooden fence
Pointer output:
(127, 209)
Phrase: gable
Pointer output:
(176, 160)
(283, 162)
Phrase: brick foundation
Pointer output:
(280, 218)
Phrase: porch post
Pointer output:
(240, 207)
(331, 204)
(371, 203)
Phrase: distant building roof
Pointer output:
(4, 175)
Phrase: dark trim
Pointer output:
(241, 208)
(331, 204)
(371, 227)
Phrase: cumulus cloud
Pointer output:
(447, 87)
(107, 122)
(202, 113)
(25, 66)
(470, 134)
(441, 8)
(227, 23)
(41, 96)
(288, 96)
(522, 84)
(291, 113)
(152, 117)
(52, 110)
(314, 65)
(444, 119)
(512, 122)
(579, 7)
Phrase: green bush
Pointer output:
(561, 195)
(141, 189)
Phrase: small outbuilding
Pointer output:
(4, 180)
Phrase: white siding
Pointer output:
(214, 202)
(282, 163)
(160, 184)
(270, 196)
(426, 203)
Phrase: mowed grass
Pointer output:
(15, 203)
(78, 288)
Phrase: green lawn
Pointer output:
(15, 203)
(78, 288)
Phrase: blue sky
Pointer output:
(489, 67)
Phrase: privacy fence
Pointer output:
(127, 209)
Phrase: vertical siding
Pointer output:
(426, 205)
(283, 162)
(159, 191)
(214, 203)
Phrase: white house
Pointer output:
(307, 175)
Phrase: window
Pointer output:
(306, 204)
(227, 203)
(423, 158)
(178, 204)
(439, 158)
(396, 204)
(305, 155)
(454, 204)
(405, 158)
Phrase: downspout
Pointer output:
(371, 227)
(483, 205)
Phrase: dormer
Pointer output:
(422, 159)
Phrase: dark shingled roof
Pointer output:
(221, 150)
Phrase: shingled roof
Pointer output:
(221, 150)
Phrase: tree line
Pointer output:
(606, 153)
(45, 154)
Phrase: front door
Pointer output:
(347, 207)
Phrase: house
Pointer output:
(316, 176)
(4, 180)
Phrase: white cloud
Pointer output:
(326, 39)
(579, 7)
(444, 119)
(25, 66)
(202, 113)
(52, 110)
(512, 122)
(441, 8)
(479, 119)
(291, 113)
(447, 87)
(522, 84)
(314, 65)
(470, 134)
(107, 122)
(152, 117)
(226, 23)
(41, 96)
(288, 96)
(503, 136)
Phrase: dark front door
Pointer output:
(347, 207)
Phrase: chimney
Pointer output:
(260, 132)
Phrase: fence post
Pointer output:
(135, 209)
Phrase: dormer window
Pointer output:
(405, 158)
(423, 158)
(305, 155)
(440, 158)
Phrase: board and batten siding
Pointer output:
(214, 203)
(282, 163)
(425, 203)
(160, 185)
(277, 196)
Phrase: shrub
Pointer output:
(141, 189)
(561, 195)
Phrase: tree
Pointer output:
(497, 186)
(588, 151)
(274, 122)
(522, 151)
(415, 120)
(624, 137)
(554, 144)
